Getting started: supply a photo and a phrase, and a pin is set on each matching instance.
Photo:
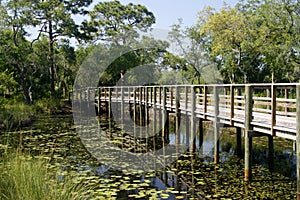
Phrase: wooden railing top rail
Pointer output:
(255, 85)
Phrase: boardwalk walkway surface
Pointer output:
(267, 109)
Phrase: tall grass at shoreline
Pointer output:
(25, 178)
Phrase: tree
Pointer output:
(150, 55)
(119, 24)
(54, 18)
(14, 48)
(257, 41)
(229, 37)
(192, 56)
(277, 25)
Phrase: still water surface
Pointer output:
(191, 176)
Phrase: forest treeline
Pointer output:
(254, 41)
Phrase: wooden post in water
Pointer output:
(271, 152)
(134, 119)
(134, 106)
(273, 109)
(187, 131)
(146, 114)
(154, 120)
(141, 106)
(248, 130)
(201, 135)
(239, 142)
(147, 103)
(273, 123)
(298, 139)
(239, 131)
(216, 125)
(109, 103)
(165, 122)
(193, 119)
(122, 107)
(160, 111)
(177, 119)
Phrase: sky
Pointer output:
(167, 12)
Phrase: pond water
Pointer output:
(190, 177)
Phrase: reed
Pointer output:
(25, 178)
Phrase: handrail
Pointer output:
(274, 110)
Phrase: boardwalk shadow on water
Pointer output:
(191, 176)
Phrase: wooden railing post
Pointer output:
(140, 106)
(286, 96)
(122, 106)
(165, 122)
(151, 96)
(273, 109)
(239, 131)
(146, 106)
(109, 103)
(193, 119)
(99, 101)
(298, 138)
(160, 109)
(177, 114)
(154, 114)
(205, 102)
(187, 134)
(248, 130)
(231, 104)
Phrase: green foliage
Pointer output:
(25, 178)
(8, 83)
(191, 57)
(257, 41)
(119, 24)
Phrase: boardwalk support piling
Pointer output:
(216, 125)
(271, 152)
(193, 119)
(99, 101)
(248, 130)
(298, 140)
(177, 120)
(187, 134)
(201, 135)
(239, 142)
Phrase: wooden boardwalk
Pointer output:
(258, 109)
(273, 106)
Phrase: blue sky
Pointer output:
(167, 12)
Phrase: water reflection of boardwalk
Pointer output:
(258, 109)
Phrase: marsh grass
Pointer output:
(14, 113)
(25, 178)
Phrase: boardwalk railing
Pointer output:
(273, 105)
(260, 109)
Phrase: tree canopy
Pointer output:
(254, 41)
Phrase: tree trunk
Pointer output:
(23, 84)
(51, 58)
